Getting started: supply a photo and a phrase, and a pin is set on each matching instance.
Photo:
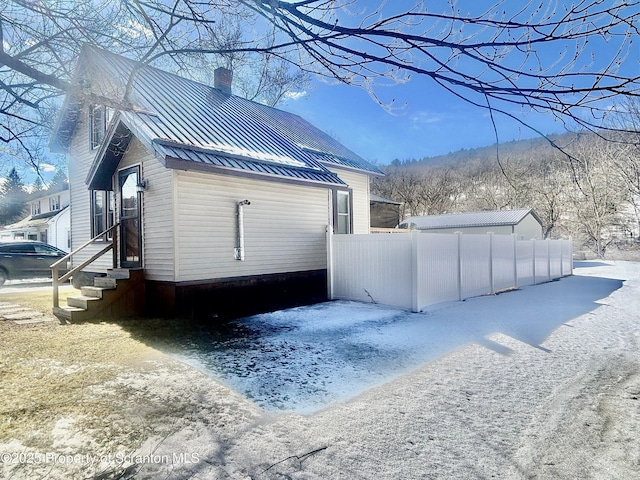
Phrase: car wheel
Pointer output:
(3, 276)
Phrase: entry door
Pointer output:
(130, 232)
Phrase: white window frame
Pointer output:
(344, 227)
(99, 118)
(107, 216)
(54, 203)
(35, 208)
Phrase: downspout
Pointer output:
(239, 250)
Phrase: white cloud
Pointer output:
(295, 95)
(423, 118)
(47, 167)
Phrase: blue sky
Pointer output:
(433, 121)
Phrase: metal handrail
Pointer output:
(55, 267)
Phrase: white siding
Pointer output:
(157, 212)
(359, 183)
(284, 226)
(80, 159)
(529, 228)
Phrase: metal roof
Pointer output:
(197, 124)
(373, 198)
(475, 219)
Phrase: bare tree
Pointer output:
(495, 58)
(597, 195)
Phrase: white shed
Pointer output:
(525, 223)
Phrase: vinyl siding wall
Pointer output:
(284, 226)
(529, 228)
(359, 183)
(81, 157)
(157, 212)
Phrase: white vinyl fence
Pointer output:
(421, 269)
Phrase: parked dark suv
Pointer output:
(20, 260)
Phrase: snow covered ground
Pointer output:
(538, 383)
(543, 383)
(303, 359)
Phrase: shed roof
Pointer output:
(474, 219)
(373, 198)
(198, 125)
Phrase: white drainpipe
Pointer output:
(239, 250)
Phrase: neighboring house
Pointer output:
(385, 213)
(222, 202)
(524, 223)
(48, 221)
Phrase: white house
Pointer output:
(223, 203)
(524, 223)
(48, 221)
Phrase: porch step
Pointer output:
(119, 273)
(71, 314)
(120, 293)
(97, 292)
(105, 282)
(81, 301)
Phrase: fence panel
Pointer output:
(525, 264)
(474, 265)
(541, 261)
(372, 267)
(437, 269)
(421, 269)
(555, 259)
(503, 258)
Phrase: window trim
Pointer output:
(54, 203)
(107, 216)
(36, 208)
(337, 214)
(97, 131)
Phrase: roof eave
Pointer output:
(179, 164)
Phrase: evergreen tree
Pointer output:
(12, 200)
(37, 186)
(59, 181)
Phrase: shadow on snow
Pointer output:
(302, 359)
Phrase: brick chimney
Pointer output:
(222, 79)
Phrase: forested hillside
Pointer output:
(583, 185)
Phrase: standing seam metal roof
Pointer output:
(475, 219)
(193, 122)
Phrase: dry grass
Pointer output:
(96, 388)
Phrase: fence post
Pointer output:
(533, 243)
(329, 262)
(561, 258)
(459, 238)
(415, 260)
(492, 289)
(571, 254)
(548, 259)
(515, 259)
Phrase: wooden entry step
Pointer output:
(118, 294)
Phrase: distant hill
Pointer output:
(506, 149)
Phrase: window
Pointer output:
(102, 207)
(43, 236)
(35, 208)
(342, 211)
(99, 118)
(32, 236)
(54, 203)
